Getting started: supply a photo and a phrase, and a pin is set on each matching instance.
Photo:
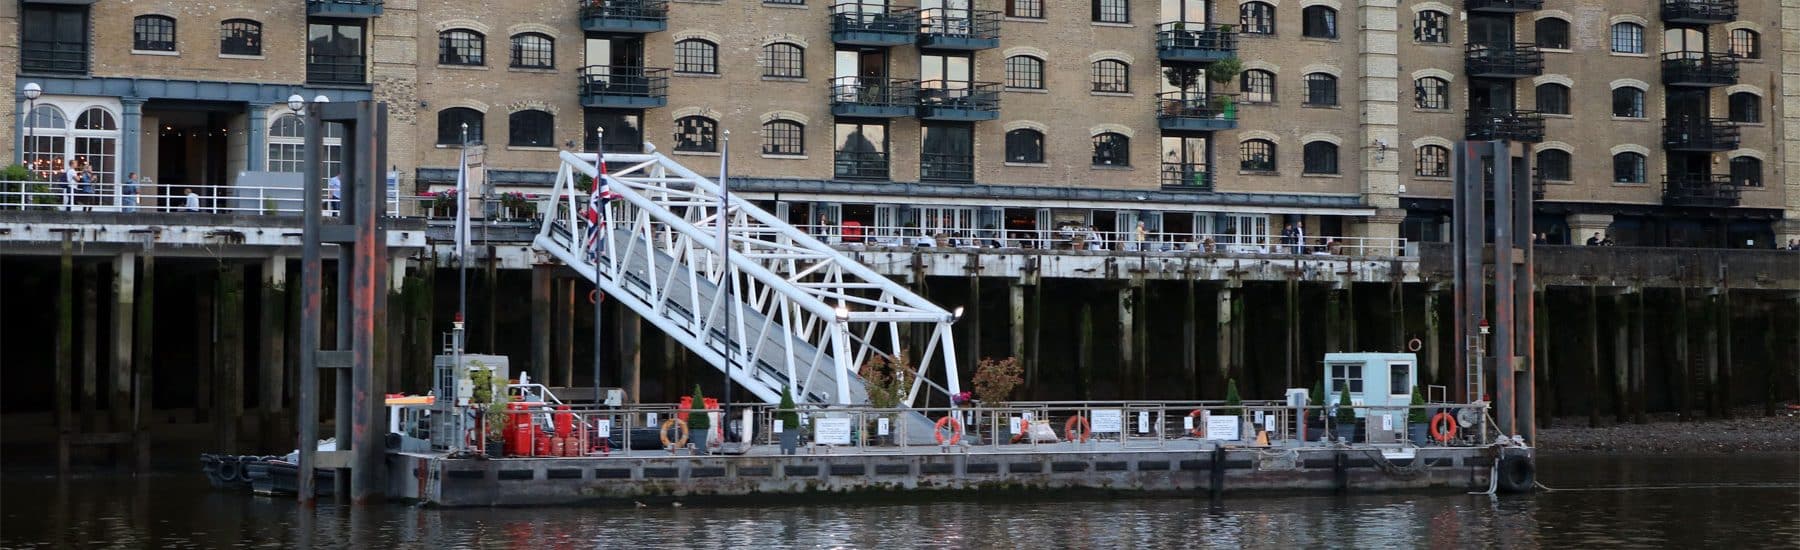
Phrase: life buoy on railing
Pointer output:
(1199, 425)
(956, 430)
(1024, 428)
(595, 296)
(1074, 423)
(680, 427)
(1448, 430)
(1414, 345)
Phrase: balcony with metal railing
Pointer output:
(1700, 134)
(1196, 112)
(1513, 60)
(1195, 42)
(860, 24)
(1699, 12)
(1503, 6)
(336, 69)
(1186, 176)
(617, 86)
(861, 165)
(1700, 190)
(624, 16)
(1510, 125)
(947, 167)
(959, 29)
(1699, 69)
(856, 96)
(349, 9)
(959, 101)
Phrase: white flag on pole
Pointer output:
(462, 204)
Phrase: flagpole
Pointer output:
(462, 268)
(725, 268)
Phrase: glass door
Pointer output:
(1184, 11)
(1184, 162)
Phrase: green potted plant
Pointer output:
(1315, 419)
(1225, 70)
(699, 424)
(1415, 418)
(492, 405)
(790, 423)
(1234, 406)
(1346, 415)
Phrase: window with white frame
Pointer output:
(287, 145)
(91, 143)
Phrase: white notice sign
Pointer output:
(1143, 422)
(1187, 423)
(1387, 422)
(604, 427)
(778, 423)
(1269, 423)
(881, 426)
(650, 419)
(832, 431)
(1222, 428)
(1012, 425)
(1108, 421)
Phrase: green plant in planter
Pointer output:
(1182, 77)
(1225, 70)
(1233, 403)
(790, 420)
(1346, 415)
(698, 421)
(1416, 414)
(1316, 398)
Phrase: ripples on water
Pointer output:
(1711, 502)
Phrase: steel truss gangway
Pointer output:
(802, 316)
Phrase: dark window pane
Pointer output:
(784, 137)
(784, 60)
(1553, 99)
(531, 128)
(1628, 168)
(1746, 171)
(1628, 102)
(1746, 107)
(334, 53)
(153, 33)
(1112, 149)
(1025, 145)
(1321, 157)
(1432, 27)
(696, 133)
(1431, 93)
(1033, 9)
(450, 126)
(1257, 18)
(1319, 22)
(696, 56)
(1554, 165)
(1745, 44)
(1112, 76)
(1024, 71)
(1257, 155)
(1627, 38)
(54, 39)
(1111, 11)
(1552, 33)
(1321, 90)
(1258, 86)
(1434, 162)
(240, 37)
(461, 47)
(533, 51)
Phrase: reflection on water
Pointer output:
(1718, 501)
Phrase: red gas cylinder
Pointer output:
(521, 430)
(565, 421)
(543, 442)
(556, 446)
(687, 403)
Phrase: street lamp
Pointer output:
(295, 103)
(32, 92)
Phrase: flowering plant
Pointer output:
(961, 398)
(443, 199)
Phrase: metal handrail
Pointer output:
(861, 165)
(1505, 124)
(1181, 104)
(1712, 10)
(624, 80)
(947, 167)
(872, 17)
(1186, 175)
(862, 90)
(164, 198)
(1504, 58)
(1195, 36)
(1701, 132)
(1704, 67)
(634, 10)
(959, 22)
(955, 94)
(1086, 238)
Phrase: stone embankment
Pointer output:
(1748, 431)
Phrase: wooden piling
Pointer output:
(1710, 341)
(274, 353)
(1084, 350)
(90, 356)
(1639, 371)
(1334, 321)
(561, 332)
(491, 318)
(1292, 322)
(1432, 359)
(1223, 301)
(1128, 365)
(1033, 371)
(1593, 338)
(65, 354)
(1722, 386)
(1396, 317)
(229, 363)
(1621, 323)
(143, 345)
(1189, 354)
(205, 295)
(123, 314)
(1685, 368)
(540, 321)
(1015, 309)
(970, 341)
(1542, 333)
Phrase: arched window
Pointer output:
(1553, 99)
(240, 37)
(696, 56)
(1434, 162)
(1321, 157)
(1257, 18)
(697, 134)
(153, 33)
(1318, 22)
(1256, 155)
(1258, 86)
(1028, 9)
(1025, 145)
(96, 145)
(784, 60)
(1111, 11)
(1745, 107)
(1432, 27)
(46, 141)
(531, 128)
(450, 126)
(461, 47)
(784, 137)
(1629, 167)
(1628, 102)
(532, 50)
(1553, 164)
(1552, 33)
(1112, 149)
(1321, 90)
(1746, 171)
(287, 145)
(1025, 72)
(1744, 44)
(1431, 93)
(1627, 38)
(91, 143)
(1112, 75)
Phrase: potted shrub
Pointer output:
(1234, 406)
(1415, 418)
(886, 383)
(698, 422)
(790, 423)
(518, 206)
(1315, 419)
(492, 405)
(1346, 416)
(994, 382)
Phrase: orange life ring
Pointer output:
(1445, 419)
(1074, 422)
(679, 427)
(956, 430)
(1024, 428)
(1199, 427)
(1414, 345)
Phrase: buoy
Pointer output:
(1074, 423)
(956, 430)
(1199, 424)
(679, 427)
(1443, 427)
(1024, 428)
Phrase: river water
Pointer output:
(1718, 501)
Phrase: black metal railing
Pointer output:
(620, 80)
(876, 18)
(1197, 105)
(1699, 11)
(1504, 5)
(970, 96)
(875, 92)
(864, 165)
(46, 56)
(1186, 175)
(336, 69)
(625, 10)
(956, 167)
(1700, 133)
(1503, 60)
(960, 23)
(1699, 69)
(1176, 37)
(1700, 190)
(1521, 126)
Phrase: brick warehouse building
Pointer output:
(1663, 122)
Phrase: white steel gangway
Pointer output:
(802, 315)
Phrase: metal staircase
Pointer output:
(802, 316)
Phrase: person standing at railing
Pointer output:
(1139, 236)
(193, 199)
(333, 186)
(128, 192)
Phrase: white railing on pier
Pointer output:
(208, 199)
(1115, 241)
(803, 315)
